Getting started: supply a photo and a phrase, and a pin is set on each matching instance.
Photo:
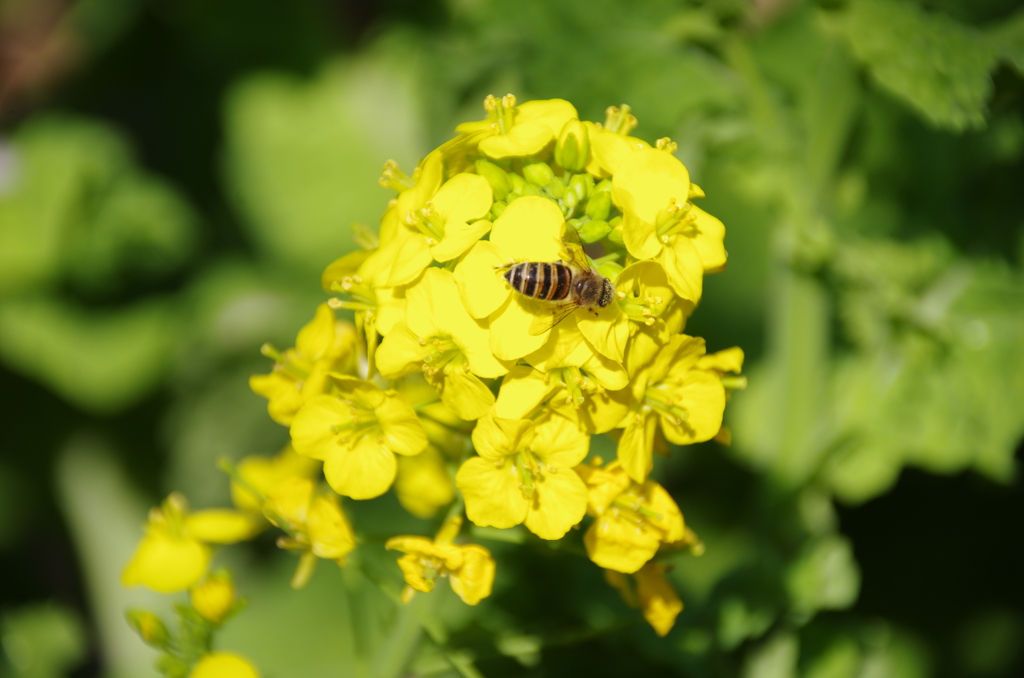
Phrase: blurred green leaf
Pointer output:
(304, 156)
(824, 577)
(101, 360)
(1009, 34)
(937, 65)
(76, 207)
(44, 640)
(774, 658)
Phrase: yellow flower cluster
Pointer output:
(527, 290)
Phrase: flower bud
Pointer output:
(615, 235)
(149, 627)
(573, 146)
(582, 185)
(497, 208)
(214, 598)
(599, 205)
(538, 173)
(594, 230)
(496, 177)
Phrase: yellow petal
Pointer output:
(619, 544)
(510, 328)
(466, 396)
(414, 573)
(481, 287)
(552, 113)
(728, 360)
(494, 437)
(317, 337)
(400, 353)
(636, 446)
(559, 443)
(522, 389)
(312, 431)
(523, 139)
(328, 529)
(423, 485)
(166, 564)
(708, 240)
(403, 433)
(530, 229)
(606, 329)
(559, 502)
(412, 258)
(222, 526)
(464, 197)
(459, 237)
(492, 494)
(660, 602)
(473, 581)
(683, 267)
(640, 237)
(363, 471)
(289, 501)
(703, 398)
(646, 180)
(223, 665)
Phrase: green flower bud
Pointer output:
(573, 146)
(569, 202)
(557, 189)
(582, 185)
(496, 177)
(594, 230)
(615, 235)
(149, 627)
(599, 205)
(497, 208)
(610, 270)
(530, 189)
(518, 183)
(538, 173)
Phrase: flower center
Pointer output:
(501, 112)
(675, 218)
(662, 401)
(441, 352)
(394, 178)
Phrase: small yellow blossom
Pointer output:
(653, 190)
(524, 474)
(653, 595)
(174, 553)
(356, 432)
(150, 627)
(632, 519)
(470, 568)
(688, 401)
(517, 131)
(301, 372)
(579, 393)
(423, 484)
(214, 597)
(315, 524)
(256, 475)
(223, 665)
(439, 338)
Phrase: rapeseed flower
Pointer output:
(356, 431)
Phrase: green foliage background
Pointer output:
(168, 204)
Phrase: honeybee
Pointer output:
(570, 285)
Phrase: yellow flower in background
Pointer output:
(299, 373)
(652, 593)
(214, 597)
(469, 568)
(255, 476)
(223, 665)
(517, 131)
(315, 524)
(356, 433)
(632, 519)
(653, 190)
(687, 401)
(610, 143)
(524, 474)
(440, 339)
(423, 484)
(174, 553)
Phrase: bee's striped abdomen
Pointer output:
(545, 281)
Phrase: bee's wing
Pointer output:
(545, 321)
(573, 246)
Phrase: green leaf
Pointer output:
(44, 640)
(75, 206)
(1009, 35)
(824, 577)
(100, 360)
(304, 156)
(938, 66)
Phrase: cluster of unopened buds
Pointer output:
(527, 290)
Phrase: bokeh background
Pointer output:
(174, 174)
